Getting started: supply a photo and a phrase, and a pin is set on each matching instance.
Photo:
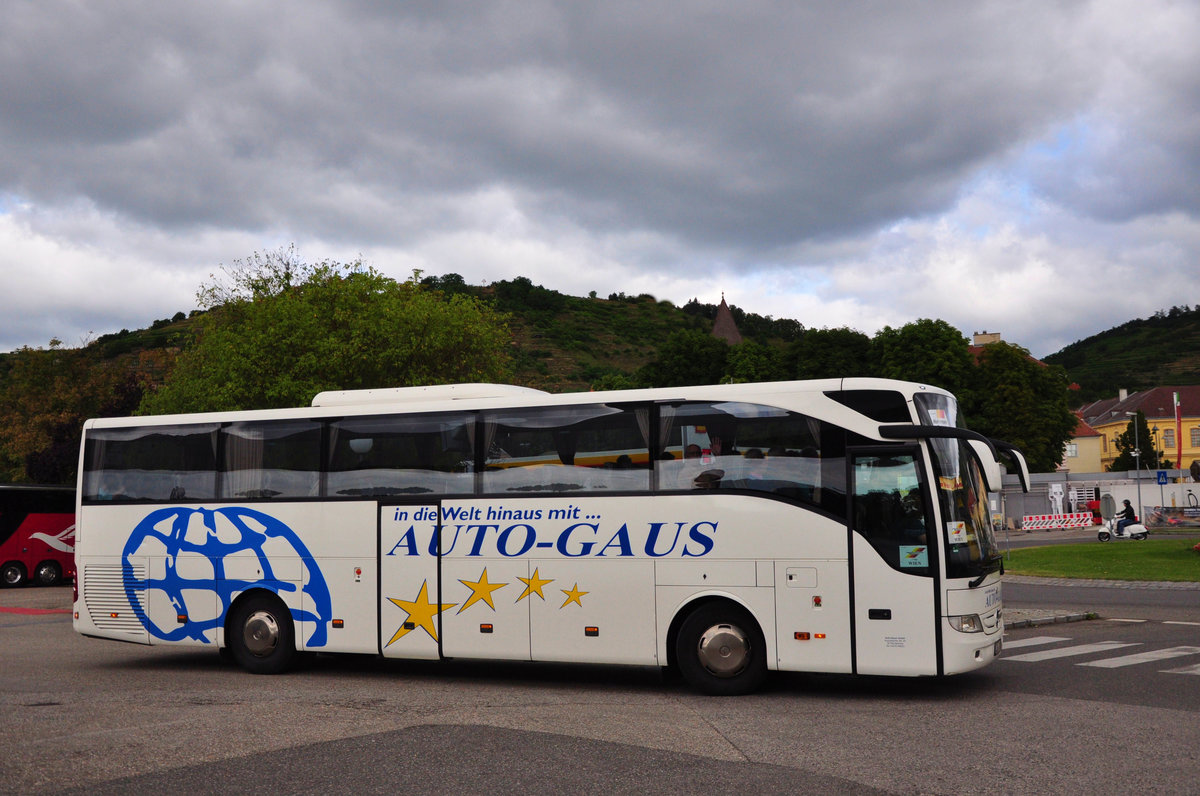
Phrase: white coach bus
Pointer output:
(820, 526)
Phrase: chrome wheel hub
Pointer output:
(724, 650)
(261, 633)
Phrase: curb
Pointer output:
(1047, 618)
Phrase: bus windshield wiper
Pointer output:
(987, 569)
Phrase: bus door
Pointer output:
(894, 563)
(488, 584)
(410, 600)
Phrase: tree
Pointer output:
(278, 331)
(924, 351)
(830, 353)
(45, 396)
(688, 357)
(753, 361)
(1135, 437)
(1015, 398)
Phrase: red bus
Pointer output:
(37, 534)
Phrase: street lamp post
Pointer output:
(1137, 458)
(1158, 464)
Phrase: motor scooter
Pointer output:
(1134, 530)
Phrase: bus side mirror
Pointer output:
(1022, 467)
(992, 475)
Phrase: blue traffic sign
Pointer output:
(1162, 477)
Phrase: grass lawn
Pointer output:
(1153, 559)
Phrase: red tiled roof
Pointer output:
(1158, 403)
(1082, 429)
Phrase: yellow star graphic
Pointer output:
(480, 590)
(573, 596)
(533, 586)
(420, 612)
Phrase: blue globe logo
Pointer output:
(214, 535)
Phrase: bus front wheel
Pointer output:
(48, 573)
(261, 636)
(720, 650)
(12, 574)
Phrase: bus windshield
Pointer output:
(971, 547)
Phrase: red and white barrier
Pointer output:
(1042, 522)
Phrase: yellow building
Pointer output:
(1180, 446)
(1083, 453)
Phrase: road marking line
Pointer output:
(1188, 624)
(33, 611)
(1143, 657)
(1067, 652)
(1129, 621)
(1185, 670)
(1032, 641)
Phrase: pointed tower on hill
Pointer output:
(724, 326)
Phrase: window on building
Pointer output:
(1196, 437)
(1168, 438)
(1072, 450)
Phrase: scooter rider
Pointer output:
(1126, 517)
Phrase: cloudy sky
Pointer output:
(1031, 168)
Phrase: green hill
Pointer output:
(566, 343)
(1161, 350)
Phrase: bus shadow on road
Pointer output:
(324, 669)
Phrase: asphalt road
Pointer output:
(83, 715)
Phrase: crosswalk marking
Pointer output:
(1185, 670)
(1143, 657)
(1032, 641)
(1067, 652)
(1148, 656)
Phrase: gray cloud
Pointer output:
(662, 137)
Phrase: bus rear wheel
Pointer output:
(720, 650)
(12, 574)
(48, 573)
(261, 636)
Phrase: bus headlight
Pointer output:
(968, 623)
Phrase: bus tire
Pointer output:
(720, 650)
(260, 634)
(48, 573)
(12, 574)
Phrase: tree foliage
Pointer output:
(47, 394)
(278, 331)
(924, 351)
(687, 357)
(752, 361)
(1015, 398)
(830, 353)
(1135, 437)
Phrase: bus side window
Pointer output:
(741, 446)
(401, 455)
(566, 449)
(158, 463)
(271, 459)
